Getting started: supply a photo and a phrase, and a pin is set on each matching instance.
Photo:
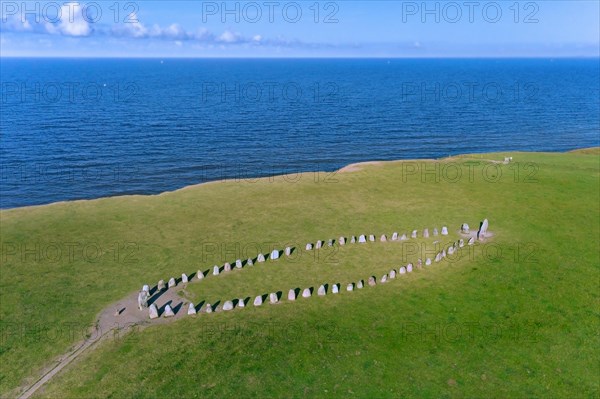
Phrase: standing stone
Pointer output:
(258, 300)
(438, 257)
(426, 233)
(392, 274)
(443, 253)
(172, 282)
(216, 271)
(200, 274)
(342, 241)
(403, 238)
(241, 303)
(362, 239)
(306, 293)
(184, 278)
(153, 311)
(461, 243)
(402, 270)
(395, 236)
(360, 284)
(350, 287)
(482, 230)
(273, 298)
(161, 285)
(309, 247)
(444, 231)
(288, 251)
(372, 281)
(464, 228)
(226, 267)
(409, 267)
(414, 234)
(330, 243)
(435, 231)
(353, 240)
(335, 289)
(146, 288)
(384, 278)
(372, 238)
(275, 254)
(450, 250)
(249, 262)
(321, 290)
(292, 295)
(191, 309)
(383, 238)
(168, 311)
(238, 264)
(209, 308)
(319, 244)
(471, 241)
(427, 261)
(142, 300)
(260, 258)
(419, 263)
(228, 305)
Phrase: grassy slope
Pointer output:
(536, 318)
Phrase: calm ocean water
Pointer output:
(80, 129)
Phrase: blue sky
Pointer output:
(300, 29)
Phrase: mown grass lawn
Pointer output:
(518, 318)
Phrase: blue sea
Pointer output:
(88, 128)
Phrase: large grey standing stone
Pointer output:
(426, 233)
(200, 275)
(238, 264)
(146, 288)
(350, 287)
(402, 270)
(209, 308)
(335, 289)
(168, 311)
(216, 271)
(161, 285)
(319, 244)
(464, 228)
(191, 309)
(143, 299)
(395, 236)
(471, 241)
(260, 258)
(258, 300)
(292, 295)
(443, 253)
(444, 231)
(383, 238)
(153, 311)
(353, 240)
(306, 293)
(427, 261)
(241, 303)
(409, 267)
(226, 267)
(435, 231)
(372, 238)
(461, 243)
(288, 251)
(184, 278)
(419, 263)
(309, 247)
(342, 241)
(450, 250)
(360, 284)
(403, 237)
(273, 298)
(438, 257)
(172, 282)
(372, 281)
(330, 243)
(275, 254)
(249, 262)
(362, 239)
(482, 230)
(414, 234)
(321, 290)
(228, 305)
(392, 274)
(384, 278)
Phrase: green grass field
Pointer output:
(517, 318)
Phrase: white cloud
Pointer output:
(72, 22)
(229, 37)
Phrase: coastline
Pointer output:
(349, 168)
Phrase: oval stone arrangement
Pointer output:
(323, 289)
